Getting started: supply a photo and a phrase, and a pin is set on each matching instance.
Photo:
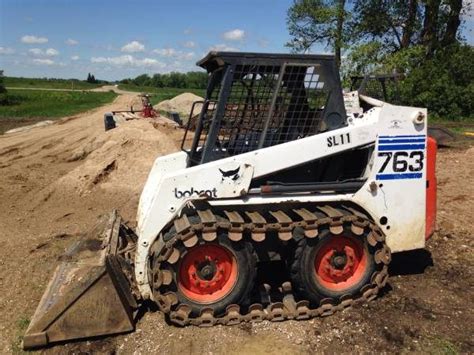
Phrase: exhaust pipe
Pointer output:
(90, 293)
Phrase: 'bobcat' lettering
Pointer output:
(189, 193)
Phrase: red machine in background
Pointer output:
(147, 110)
(111, 119)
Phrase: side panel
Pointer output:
(395, 193)
(161, 166)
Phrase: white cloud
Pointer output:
(133, 47)
(75, 57)
(30, 39)
(99, 60)
(173, 53)
(38, 52)
(223, 48)
(186, 55)
(71, 42)
(44, 61)
(234, 35)
(188, 31)
(51, 52)
(6, 50)
(189, 44)
(128, 60)
(165, 52)
(149, 62)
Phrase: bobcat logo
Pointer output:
(199, 193)
(395, 124)
(231, 174)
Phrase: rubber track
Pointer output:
(253, 226)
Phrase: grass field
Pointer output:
(459, 126)
(160, 94)
(11, 82)
(31, 106)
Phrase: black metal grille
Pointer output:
(254, 102)
(270, 105)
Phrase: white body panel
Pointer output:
(399, 195)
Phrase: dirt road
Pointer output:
(55, 182)
(103, 88)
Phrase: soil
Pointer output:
(182, 104)
(56, 181)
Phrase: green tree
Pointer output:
(318, 21)
(157, 81)
(416, 38)
(2, 85)
(142, 80)
(91, 79)
(444, 83)
(392, 23)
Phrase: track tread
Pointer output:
(310, 222)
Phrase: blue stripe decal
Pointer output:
(398, 176)
(401, 147)
(405, 136)
(398, 140)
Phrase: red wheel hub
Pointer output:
(207, 273)
(340, 263)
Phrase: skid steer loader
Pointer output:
(285, 202)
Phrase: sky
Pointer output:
(116, 39)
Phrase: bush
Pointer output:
(9, 100)
(444, 84)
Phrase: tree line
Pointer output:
(419, 39)
(189, 80)
(91, 79)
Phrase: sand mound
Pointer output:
(181, 104)
(118, 159)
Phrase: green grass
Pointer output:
(442, 346)
(21, 325)
(458, 126)
(160, 94)
(12, 82)
(52, 104)
(27, 107)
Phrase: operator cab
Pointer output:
(257, 100)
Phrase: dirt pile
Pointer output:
(115, 160)
(182, 104)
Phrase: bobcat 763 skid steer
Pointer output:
(286, 202)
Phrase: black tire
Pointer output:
(245, 258)
(303, 272)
